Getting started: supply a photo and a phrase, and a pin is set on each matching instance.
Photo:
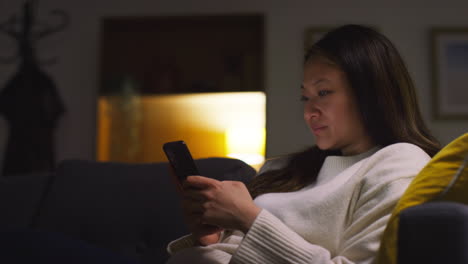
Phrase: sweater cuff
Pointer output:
(189, 241)
(269, 240)
(181, 243)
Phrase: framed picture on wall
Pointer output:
(450, 72)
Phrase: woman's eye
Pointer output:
(303, 98)
(322, 93)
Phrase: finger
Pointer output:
(195, 195)
(200, 182)
(186, 185)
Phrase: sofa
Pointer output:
(129, 209)
(133, 210)
(433, 233)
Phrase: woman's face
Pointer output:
(330, 109)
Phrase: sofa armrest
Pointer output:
(435, 232)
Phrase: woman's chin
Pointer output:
(323, 145)
(326, 146)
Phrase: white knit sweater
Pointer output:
(338, 219)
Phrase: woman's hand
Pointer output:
(203, 234)
(222, 204)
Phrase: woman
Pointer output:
(329, 203)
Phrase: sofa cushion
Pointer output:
(20, 198)
(444, 178)
(133, 209)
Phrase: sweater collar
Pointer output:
(334, 165)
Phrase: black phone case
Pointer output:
(180, 159)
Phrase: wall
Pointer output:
(76, 73)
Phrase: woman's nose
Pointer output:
(311, 110)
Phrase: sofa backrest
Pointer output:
(133, 209)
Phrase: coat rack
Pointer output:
(29, 101)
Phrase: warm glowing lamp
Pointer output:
(246, 143)
(213, 124)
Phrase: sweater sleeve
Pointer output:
(361, 238)
(228, 240)
(270, 241)
(180, 243)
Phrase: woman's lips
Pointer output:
(318, 129)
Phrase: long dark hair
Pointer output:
(385, 95)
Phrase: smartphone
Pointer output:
(180, 159)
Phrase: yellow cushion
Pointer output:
(445, 177)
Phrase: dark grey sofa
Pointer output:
(433, 233)
(131, 209)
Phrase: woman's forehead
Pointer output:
(317, 70)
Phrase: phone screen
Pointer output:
(180, 159)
